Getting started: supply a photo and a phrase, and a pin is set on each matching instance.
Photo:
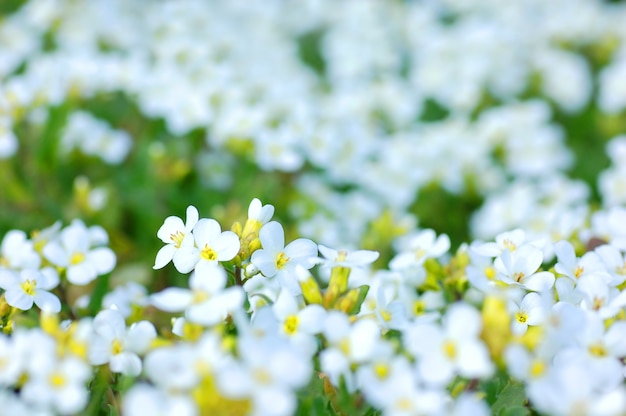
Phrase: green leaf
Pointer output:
(512, 396)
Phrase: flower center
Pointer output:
(281, 260)
(419, 306)
(116, 347)
(177, 238)
(597, 350)
(449, 349)
(77, 258)
(578, 271)
(57, 380)
(518, 277)
(521, 317)
(381, 370)
(208, 253)
(28, 287)
(291, 324)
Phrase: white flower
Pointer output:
(211, 246)
(17, 252)
(207, 302)
(420, 247)
(346, 258)
(276, 260)
(520, 268)
(259, 212)
(31, 286)
(574, 267)
(113, 343)
(144, 399)
(530, 311)
(450, 349)
(59, 385)
(349, 346)
(74, 250)
(269, 373)
(175, 235)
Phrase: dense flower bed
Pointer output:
(443, 230)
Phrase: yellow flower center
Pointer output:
(537, 368)
(598, 350)
(521, 317)
(509, 245)
(578, 271)
(177, 238)
(57, 380)
(77, 258)
(518, 277)
(116, 347)
(199, 296)
(208, 253)
(381, 370)
(449, 349)
(419, 306)
(341, 256)
(28, 287)
(291, 324)
(490, 272)
(386, 315)
(262, 376)
(281, 260)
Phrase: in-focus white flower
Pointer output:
(74, 250)
(575, 268)
(280, 261)
(31, 286)
(117, 345)
(211, 246)
(175, 235)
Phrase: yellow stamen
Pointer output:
(208, 253)
(291, 324)
(449, 349)
(29, 287)
(77, 258)
(177, 238)
(521, 317)
(381, 370)
(116, 347)
(281, 260)
(57, 380)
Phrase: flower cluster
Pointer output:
(268, 328)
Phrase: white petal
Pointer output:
(272, 237)
(301, 248)
(226, 246)
(192, 218)
(208, 277)
(173, 299)
(56, 254)
(18, 299)
(265, 262)
(218, 308)
(8, 279)
(103, 259)
(81, 273)
(164, 256)
(171, 226)
(139, 337)
(206, 231)
(47, 302)
(126, 363)
(539, 282)
(186, 258)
